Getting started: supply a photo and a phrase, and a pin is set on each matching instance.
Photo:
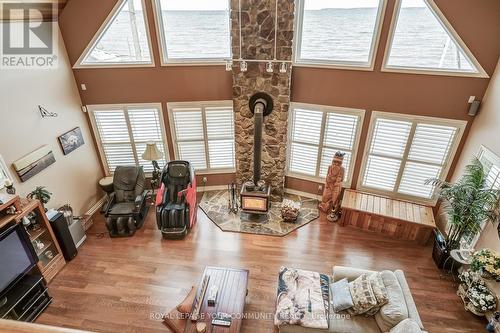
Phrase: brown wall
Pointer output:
(477, 22)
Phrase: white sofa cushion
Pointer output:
(406, 326)
(395, 310)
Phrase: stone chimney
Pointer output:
(258, 41)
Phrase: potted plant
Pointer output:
(468, 203)
(477, 298)
(40, 193)
(487, 263)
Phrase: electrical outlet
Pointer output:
(204, 180)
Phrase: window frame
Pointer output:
(162, 40)
(350, 65)
(201, 105)
(108, 107)
(489, 155)
(415, 120)
(325, 109)
(100, 32)
(430, 71)
(4, 173)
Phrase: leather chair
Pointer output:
(127, 207)
(176, 200)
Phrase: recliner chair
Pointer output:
(127, 207)
(176, 200)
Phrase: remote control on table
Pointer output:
(222, 319)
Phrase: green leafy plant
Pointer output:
(40, 193)
(468, 203)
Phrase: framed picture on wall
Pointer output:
(71, 140)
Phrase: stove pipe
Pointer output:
(261, 104)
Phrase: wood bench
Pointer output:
(395, 218)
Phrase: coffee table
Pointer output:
(232, 290)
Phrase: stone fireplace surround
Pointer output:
(258, 39)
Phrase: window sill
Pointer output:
(193, 62)
(115, 65)
(399, 196)
(320, 180)
(333, 65)
(214, 171)
(429, 71)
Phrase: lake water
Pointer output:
(329, 34)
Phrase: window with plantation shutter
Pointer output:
(203, 134)
(122, 133)
(404, 151)
(316, 133)
(491, 165)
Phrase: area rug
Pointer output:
(215, 205)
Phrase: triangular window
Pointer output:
(123, 39)
(423, 40)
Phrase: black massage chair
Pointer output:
(176, 200)
(127, 207)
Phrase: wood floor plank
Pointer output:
(126, 284)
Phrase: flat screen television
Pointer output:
(17, 256)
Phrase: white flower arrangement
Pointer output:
(476, 291)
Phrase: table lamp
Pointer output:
(152, 153)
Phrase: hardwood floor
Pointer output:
(124, 285)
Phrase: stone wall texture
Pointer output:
(258, 35)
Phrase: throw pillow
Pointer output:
(363, 298)
(187, 304)
(379, 288)
(341, 296)
(406, 326)
(395, 310)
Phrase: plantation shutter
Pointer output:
(220, 137)
(146, 127)
(306, 132)
(340, 135)
(124, 132)
(190, 138)
(115, 138)
(428, 153)
(386, 152)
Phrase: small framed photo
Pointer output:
(71, 140)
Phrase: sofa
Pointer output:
(399, 315)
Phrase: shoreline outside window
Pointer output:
(338, 34)
(193, 32)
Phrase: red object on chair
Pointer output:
(176, 206)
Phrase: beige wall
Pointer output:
(72, 178)
(485, 131)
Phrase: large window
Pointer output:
(4, 173)
(123, 39)
(338, 33)
(491, 164)
(404, 151)
(203, 134)
(316, 133)
(193, 31)
(122, 132)
(422, 40)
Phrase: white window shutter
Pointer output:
(390, 137)
(146, 127)
(220, 135)
(381, 173)
(188, 125)
(432, 143)
(115, 138)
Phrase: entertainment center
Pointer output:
(30, 257)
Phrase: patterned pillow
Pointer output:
(378, 288)
(362, 294)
